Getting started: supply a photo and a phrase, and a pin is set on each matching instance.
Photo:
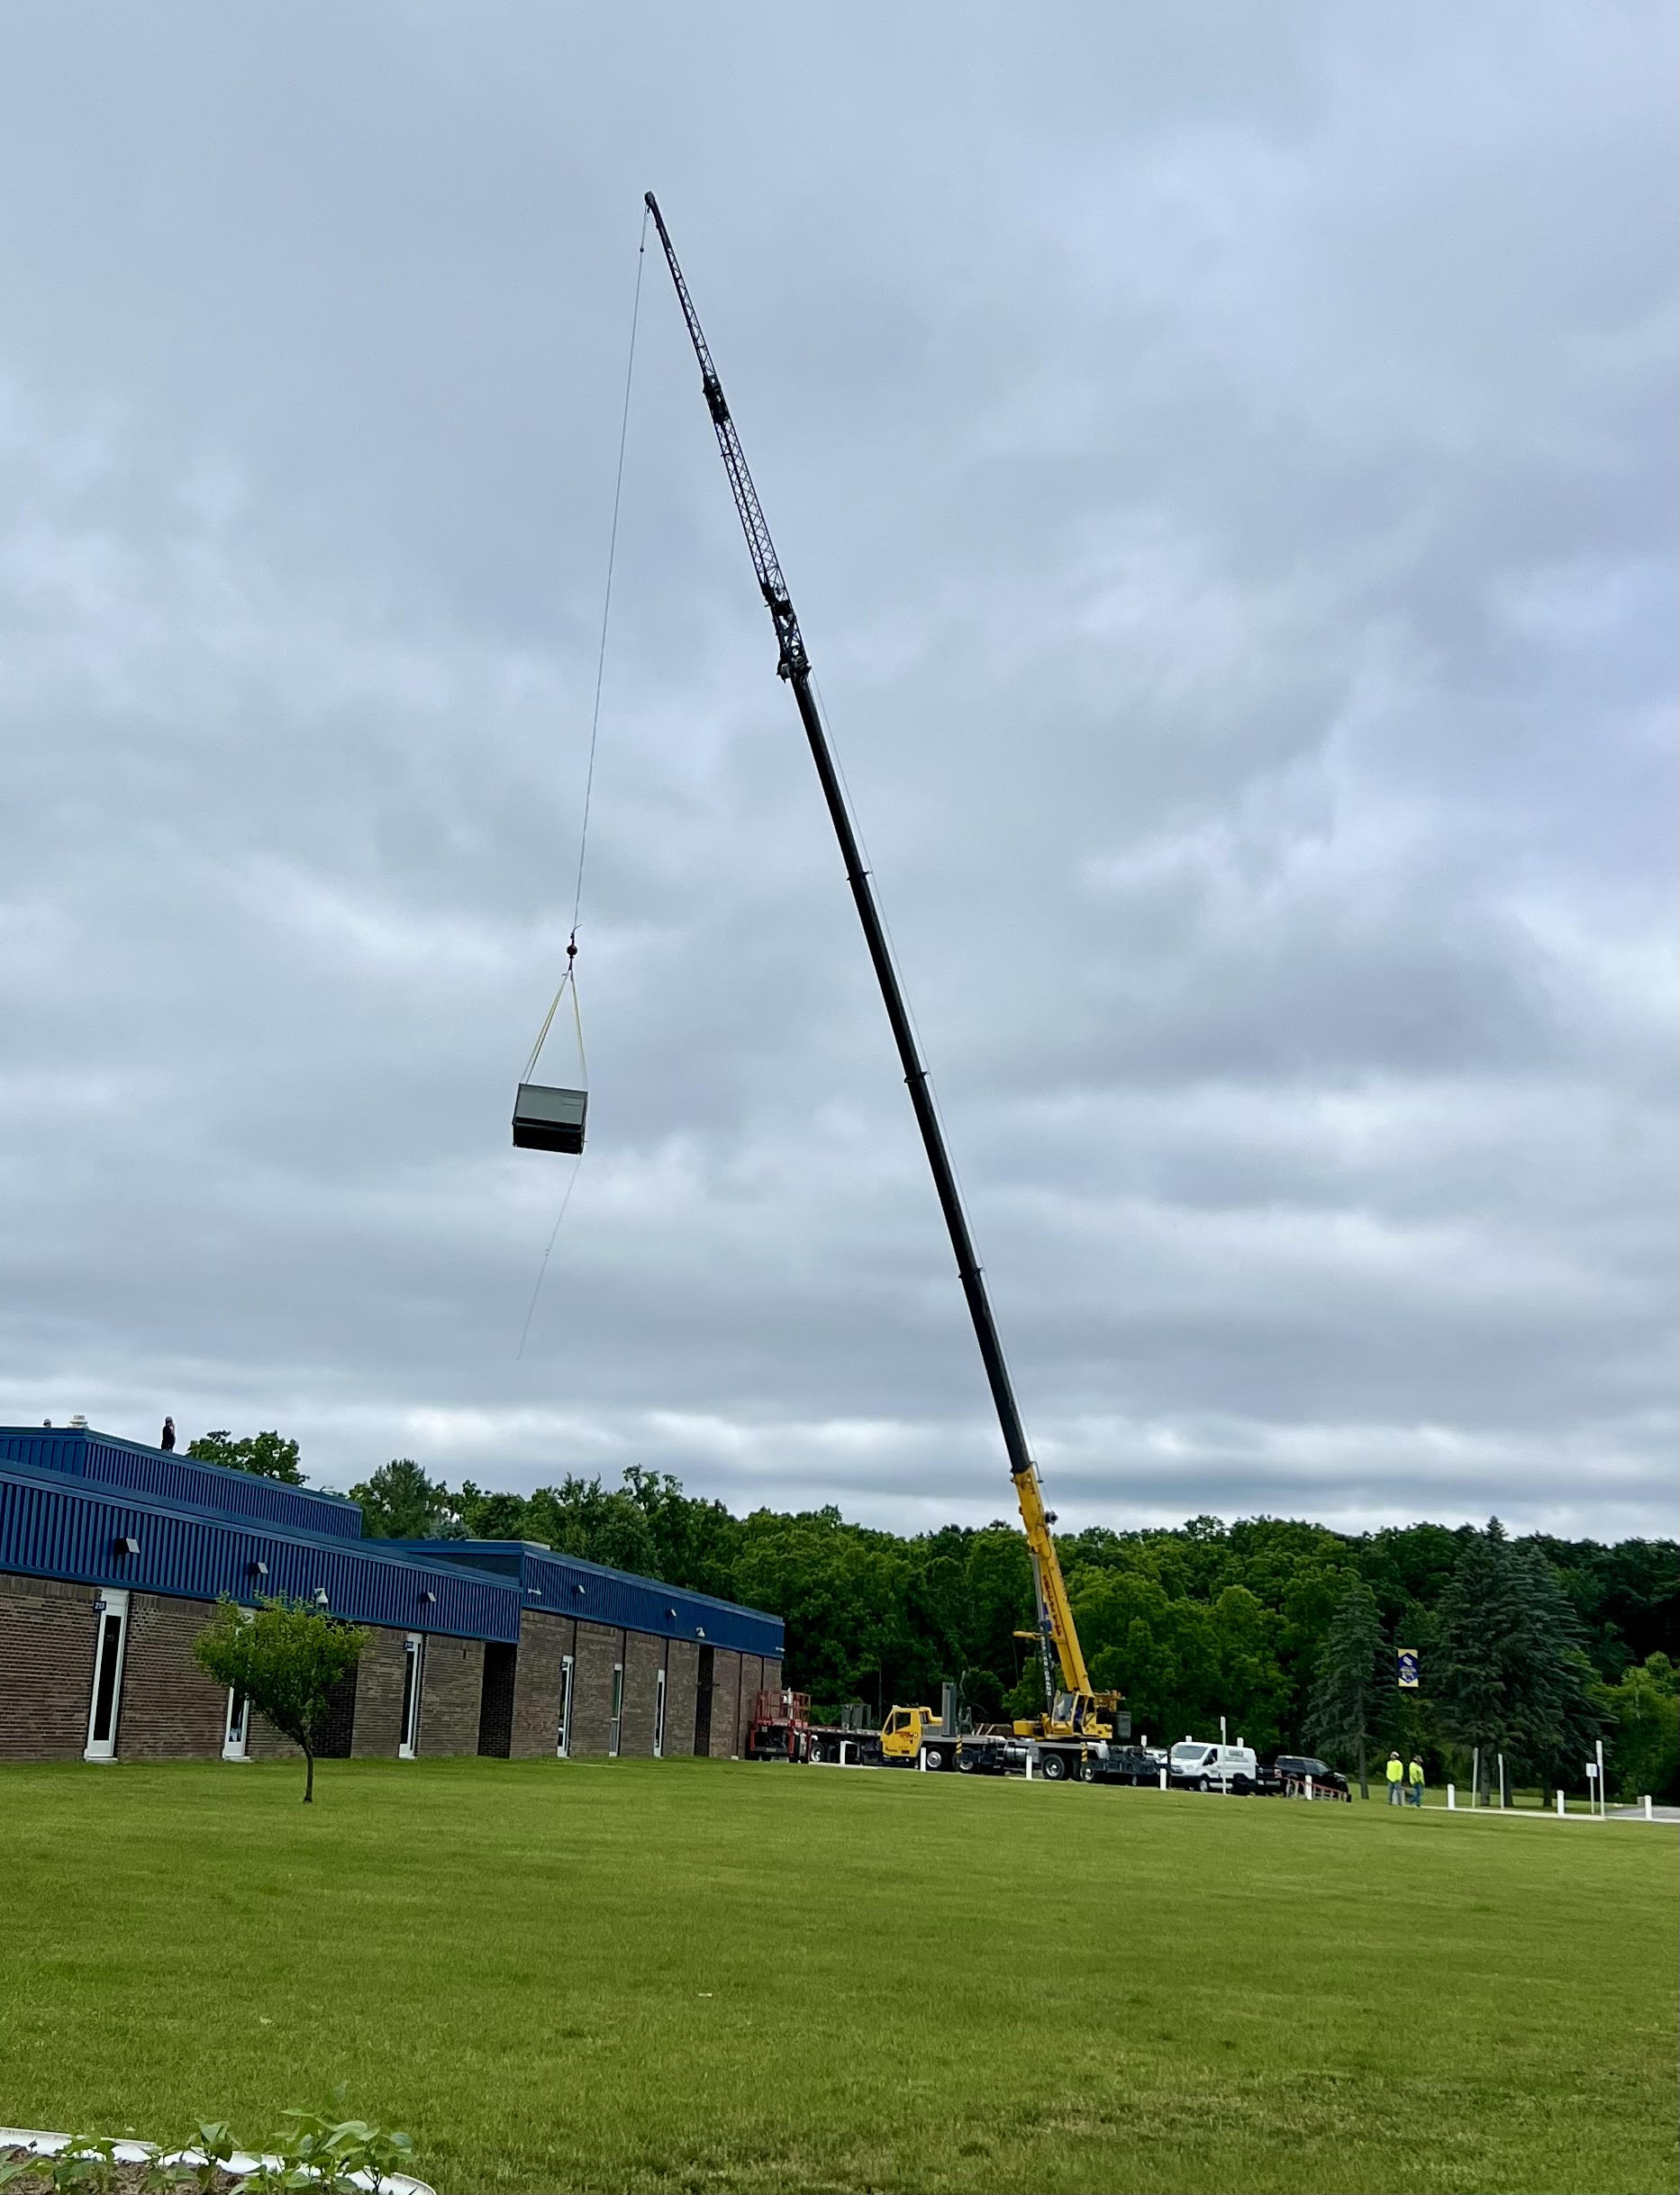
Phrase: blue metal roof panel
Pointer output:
(108, 1460)
(54, 1526)
(567, 1585)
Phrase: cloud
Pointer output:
(1223, 483)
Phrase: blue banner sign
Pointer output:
(1406, 1657)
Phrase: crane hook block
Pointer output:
(546, 1119)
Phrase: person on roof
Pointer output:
(168, 1441)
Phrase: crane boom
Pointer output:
(1057, 1635)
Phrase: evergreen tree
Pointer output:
(1511, 1671)
(1350, 1680)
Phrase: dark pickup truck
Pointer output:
(1288, 1776)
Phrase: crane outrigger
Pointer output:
(1072, 1708)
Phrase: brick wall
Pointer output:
(644, 1657)
(542, 1641)
(451, 1693)
(725, 1703)
(592, 1693)
(171, 1711)
(378, 1695)
(681, 1669)
(751, 1685)
(48, 1633)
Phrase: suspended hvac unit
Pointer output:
(547, 1119)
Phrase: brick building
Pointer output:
(112, 1556)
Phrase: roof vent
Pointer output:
(78, 1424)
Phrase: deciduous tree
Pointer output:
(285, 1659)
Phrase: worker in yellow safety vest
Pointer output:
(1414, 1781)
(1396, 1772)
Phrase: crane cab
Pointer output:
(548, 1119)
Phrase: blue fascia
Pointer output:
(569, 1585)
(55, 1525)
(105, 1459)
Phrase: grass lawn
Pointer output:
(672, 1975)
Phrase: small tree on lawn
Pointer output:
(286, 1659)
(1345, 1698)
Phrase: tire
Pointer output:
(935, 1756)
(1053, 1768)
(966, 1764)
(1241, 1786)
(1087, 1771)
(1203, 1784)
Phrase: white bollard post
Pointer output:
(1309, 1787)
(921, 1759)
(1029, 1768)
(1452, 1797)
(1560, 1806)
(844, 1743)
(1648, 1815)
(1164, 1783)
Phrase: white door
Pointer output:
(106, 1703)
(236, 1737)
(413, 1672)
(658, 1715)
(563, 1736)
(618, 1707)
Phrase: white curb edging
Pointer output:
(241, 2162)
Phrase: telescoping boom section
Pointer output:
(1075, 1705)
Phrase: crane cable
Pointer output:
(569, 981)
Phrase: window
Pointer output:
(414, 1669)
(563, 1736)
(618, 1707)
(105, 1706)
(658, 1715)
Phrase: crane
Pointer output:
(1072, 1706)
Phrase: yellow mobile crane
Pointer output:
(1075, 1714)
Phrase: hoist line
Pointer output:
(594, 716)
(554, 1233)
(569, 980)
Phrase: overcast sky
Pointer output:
(1222, 458)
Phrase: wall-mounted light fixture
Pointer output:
(428, 1597)
(123, 1544)
(535, 1591)
(579, 1590)
(257, 1570)
(321, 1598)
(700, 1631)
(670, 1615)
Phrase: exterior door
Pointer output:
(413, 1671)
(236, 1737)
(658, 1715)
(618, 1707)
(563, 1736)
(105, 1706)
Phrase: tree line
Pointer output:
(1531, 1648)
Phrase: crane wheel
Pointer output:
(1053, 1768)
(966, 1764)
(934, 1757)
(1087, 1772)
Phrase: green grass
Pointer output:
(692, 1975)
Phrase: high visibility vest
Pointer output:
(1416, 1772)
(1395, 1771)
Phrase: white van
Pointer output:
(1199, 1766)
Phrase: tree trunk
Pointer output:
(1365, 1789)
(309, 1777)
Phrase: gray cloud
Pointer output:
(1224, 479)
